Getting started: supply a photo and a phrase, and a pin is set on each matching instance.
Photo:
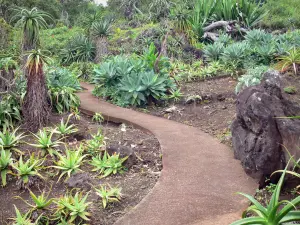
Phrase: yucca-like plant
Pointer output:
(72, 208)
(41, 202)
(275, 213)
(100, 30)
(9, 140)
(292, 59)
(64, 128)
(109, 194)
(28, 169)
(45, 141)
(70, 163)
(5, 162)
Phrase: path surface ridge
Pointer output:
(199, 178)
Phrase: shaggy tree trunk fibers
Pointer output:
(101, 48)
(36, 107)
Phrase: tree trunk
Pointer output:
(101, 48)
(36, 107)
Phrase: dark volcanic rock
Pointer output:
(258, 135)
(124, 151)
(79, 180)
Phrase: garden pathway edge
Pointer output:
(200, 176)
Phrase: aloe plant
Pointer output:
(275, 213)
(5, 162)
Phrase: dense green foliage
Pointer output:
(283, 14)
(131, 81)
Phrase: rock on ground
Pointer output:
(259, 135)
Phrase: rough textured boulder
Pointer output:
(258, 135)
(124, 151)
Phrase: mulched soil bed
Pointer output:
(136, 183)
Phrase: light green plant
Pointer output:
(69, 163)
(107, 164)
(71, 208)
(96, 144)
(28, 169)
(292, 59)
(64, 129)
(275, 213)
(9, 140)
(98, 118)
(175, 95)
(45, 141)
(41, 202)
(23, 219)
(63, 99)
(108, 194)
(5, 162)
(214, 51)
(251, 78)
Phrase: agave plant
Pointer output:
(64, 128)
(23, 219)
(9, 140)
(40, 202)
(107, 164)
(45, 142)
(214, 51)
(275, 213)
(108, 194)
(28, 169)
(72, 208)
(70, 163)
(5, 162)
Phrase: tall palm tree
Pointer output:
(100, 30)
(31, 22)
(36, 107)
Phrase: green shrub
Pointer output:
(282, 14)
(59, 77)
(252, 77)
(213, 52)
(54, 40)
(290, 90)
(78, 49)
(63, 99)
(131, 81)
(10, 111)
(235, 54)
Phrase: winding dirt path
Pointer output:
(199, 178)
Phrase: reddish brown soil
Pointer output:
(135, 183)
(214, 116)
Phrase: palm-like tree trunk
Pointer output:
(36, 107)
(101, 48)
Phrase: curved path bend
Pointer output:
(199, 178)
